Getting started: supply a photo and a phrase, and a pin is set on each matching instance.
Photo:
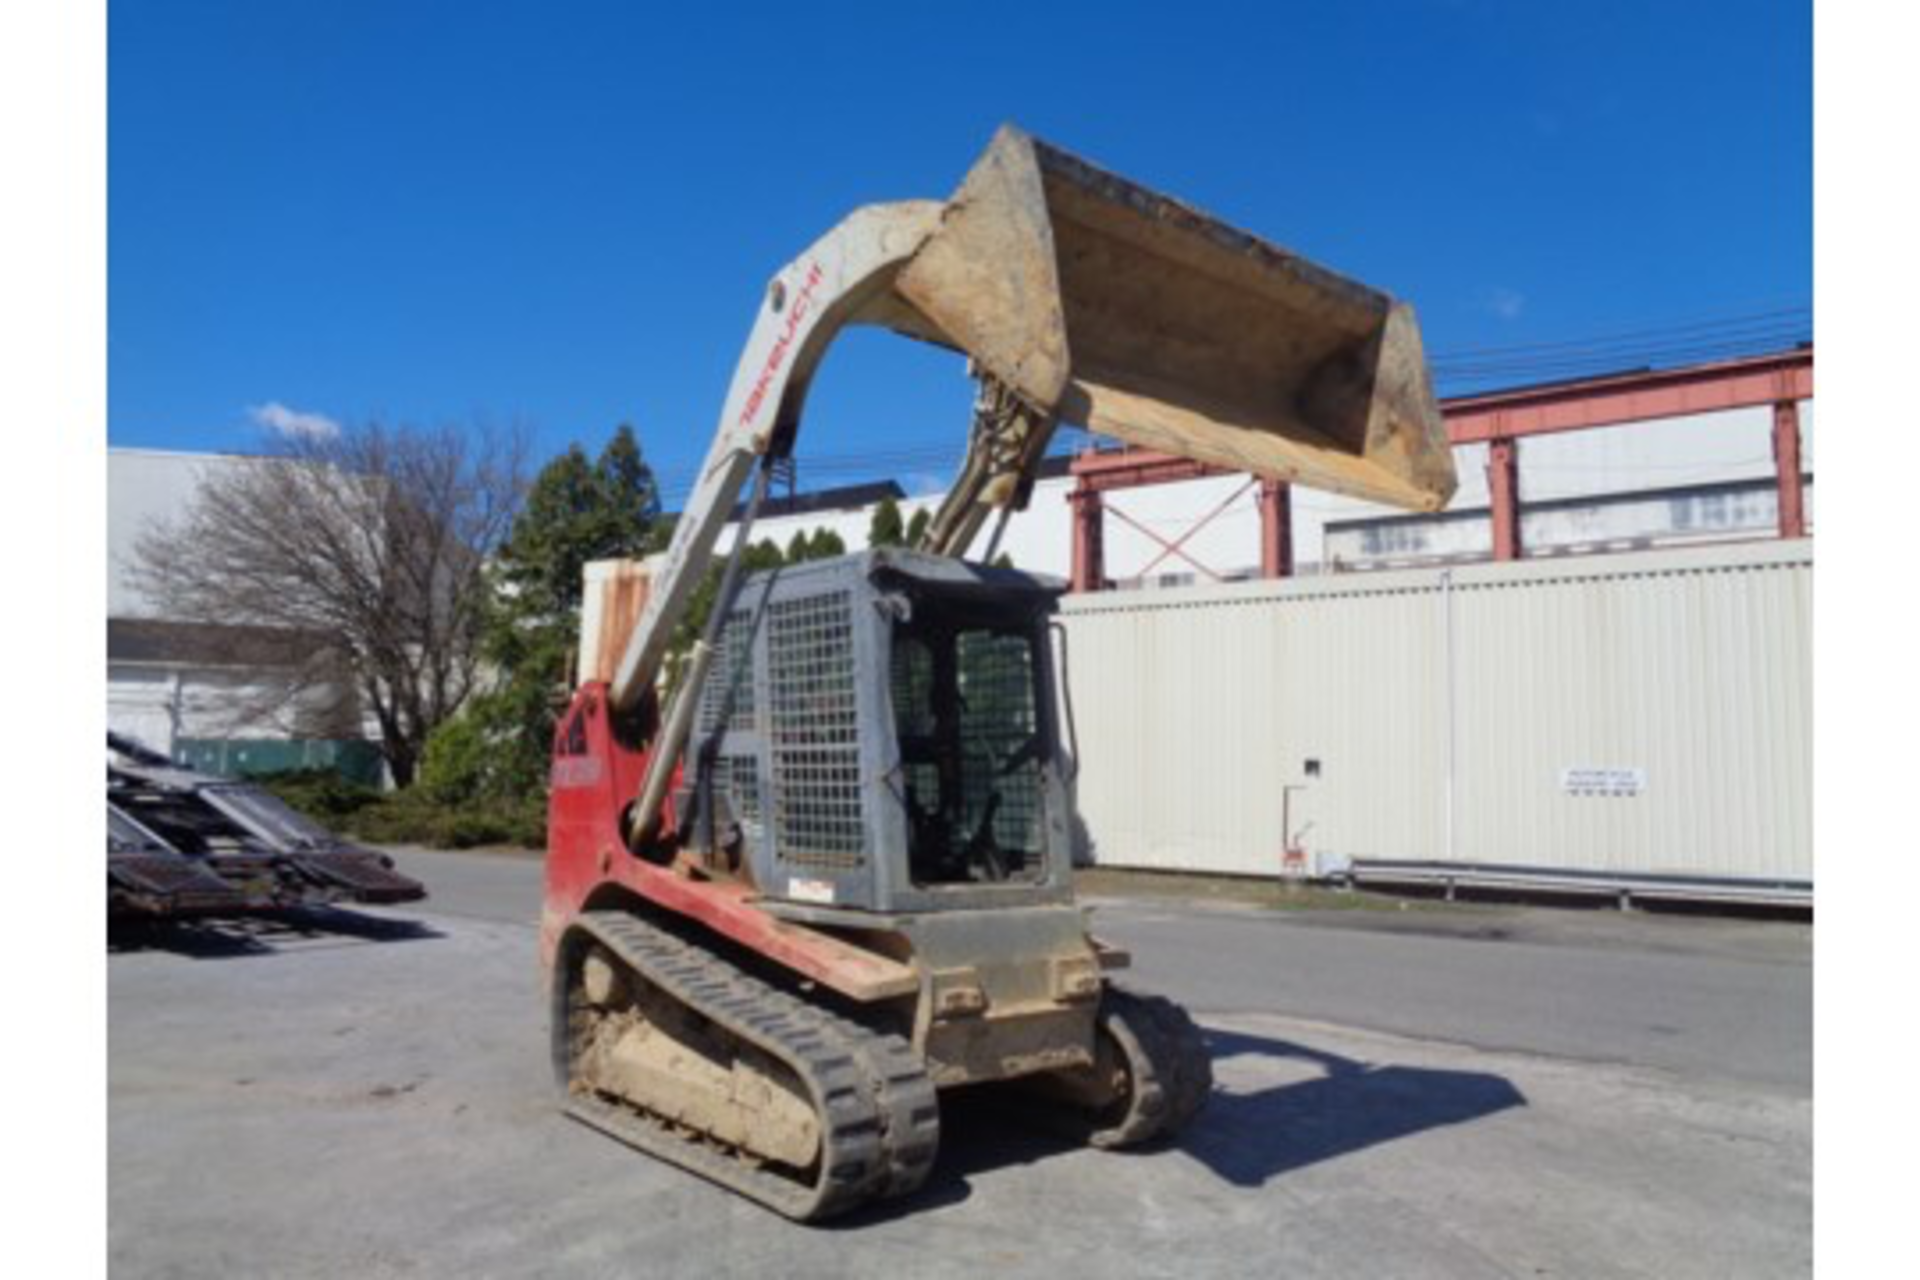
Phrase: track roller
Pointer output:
(679, 1053)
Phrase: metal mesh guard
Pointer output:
(738, 778)
(732, 667)
(815, 733)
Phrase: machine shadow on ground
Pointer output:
(1249, 1138)
(1245, 1139)
(267, 933)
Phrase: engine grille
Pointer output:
(813, 724)
(737, 778)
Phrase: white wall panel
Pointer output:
(1686, 669)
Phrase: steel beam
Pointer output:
(1135, 468)
(1631, 397)
(1276, 529)
(1173, 548)
(1503, 495)
(1089, 540)
(1786, 461)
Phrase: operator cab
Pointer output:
(880, 732)
(966, 685)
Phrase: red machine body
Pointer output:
(594, 777)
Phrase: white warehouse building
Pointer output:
(211, 695)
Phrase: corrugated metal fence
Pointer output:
(352, 759)
(1638, 721)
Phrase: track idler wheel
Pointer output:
(1150, 1076)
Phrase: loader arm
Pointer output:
(842, 279)
(1080, 297)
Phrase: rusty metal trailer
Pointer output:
(175, 837)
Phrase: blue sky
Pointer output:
(563, 214)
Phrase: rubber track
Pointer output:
(1171, 1071)
(879, 1118)
(908, 1103)
(1189, 1076)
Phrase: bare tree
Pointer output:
(369, 544)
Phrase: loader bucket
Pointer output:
(1121, 310)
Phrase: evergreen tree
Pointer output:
(632, 492)
(917, 526)
(578, 511)
(575, 511)
(887, 529)
(817, 544)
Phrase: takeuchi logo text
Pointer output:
(796, 313)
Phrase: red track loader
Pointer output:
(820, 869)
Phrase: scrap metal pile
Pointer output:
(185, 844)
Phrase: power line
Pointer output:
(1723, 337)
(1648, 354)
(1772, 333)
(1797, 312)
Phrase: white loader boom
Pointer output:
(1078, 297)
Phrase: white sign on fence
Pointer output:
(1603, 782)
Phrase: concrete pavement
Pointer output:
(1492, 1094)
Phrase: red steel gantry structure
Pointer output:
(1498, 419)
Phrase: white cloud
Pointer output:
(1506, 303)
(925, 484)
(281, 420)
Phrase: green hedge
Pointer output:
(321, 794)
(413, 816)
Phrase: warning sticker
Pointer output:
(810, 890)
(1603, 782)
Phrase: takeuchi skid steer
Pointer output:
(826, 872)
